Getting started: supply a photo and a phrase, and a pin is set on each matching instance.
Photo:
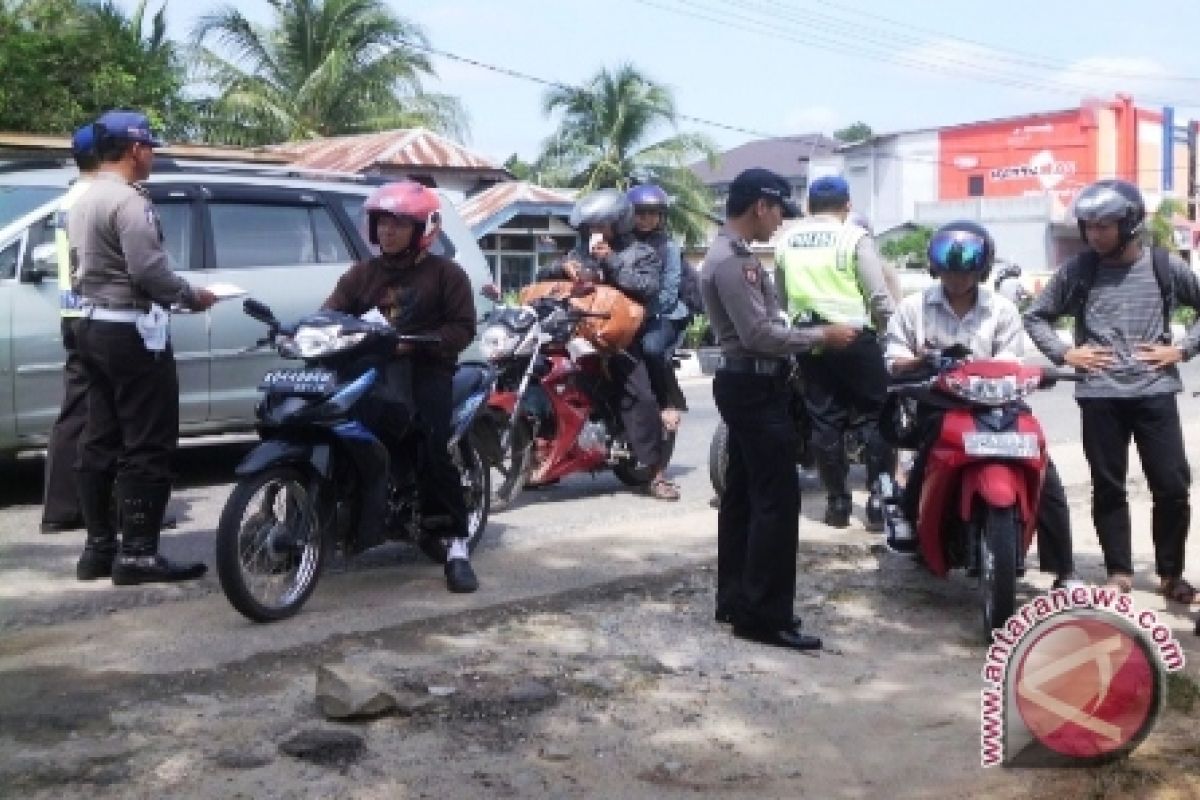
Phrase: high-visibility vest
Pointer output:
(816, 260)
(68, 301)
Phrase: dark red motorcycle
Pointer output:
(983, 479)
(553, 411)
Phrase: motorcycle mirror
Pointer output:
(260, 312)
(490, 291)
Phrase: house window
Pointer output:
(975, 186)
(516, 270)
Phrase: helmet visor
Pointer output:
(958, 251)
(1100, 203)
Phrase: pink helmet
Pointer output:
(408, 200)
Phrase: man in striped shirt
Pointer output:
(961, 309)
(1121, 301)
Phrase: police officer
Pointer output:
(758, 522)
(125, 281)
(60, 502)
(831, 272)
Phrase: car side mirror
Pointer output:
(43, 263)
(260, 312)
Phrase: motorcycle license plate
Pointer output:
(298, 381)
(1001, 445)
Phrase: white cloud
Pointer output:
(812, 119)
(1147, 80)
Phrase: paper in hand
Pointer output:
(374, 316)
(226, 291)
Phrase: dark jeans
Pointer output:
(1055, 549)
(659, 337)
(133, 404)
(758, 523)
(60, 501)
(1153, 424)
(634, 399)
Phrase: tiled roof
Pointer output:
(493, 207)
(414, 147)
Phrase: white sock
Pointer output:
(458, 549)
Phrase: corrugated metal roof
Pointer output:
(492, 205)
(415, 147)
(786, 155)
(39, 144)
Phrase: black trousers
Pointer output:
(838, 383)
(1055, 549)
(60, 501)
(758, 524)
(635, 402)
(658, 339)
(1153, 423)
(132, 425)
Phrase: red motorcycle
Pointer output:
(983, 479)
(553, 410)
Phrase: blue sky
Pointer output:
(796, 66)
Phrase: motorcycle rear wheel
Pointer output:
(270, 546)
(998, 534)
(718, 458)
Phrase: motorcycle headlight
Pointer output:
(497, 341)
(991, 391)
(316, 342)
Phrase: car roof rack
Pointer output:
(171, 164)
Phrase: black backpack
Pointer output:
(689, 288)
(1089, 262)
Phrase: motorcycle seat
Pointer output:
(469, 379)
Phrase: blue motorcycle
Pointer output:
(320, 481)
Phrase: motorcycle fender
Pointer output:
(998, 485)
(274, 452)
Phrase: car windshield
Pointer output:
(18, 200)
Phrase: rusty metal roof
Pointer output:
(492, 207)
(405, 148)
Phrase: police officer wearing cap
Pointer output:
(60, 502)
(125, 282)
(758, 522)
(830, 271)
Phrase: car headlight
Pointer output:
(497, 341)
(318, 341)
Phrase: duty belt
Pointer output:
(754, 366)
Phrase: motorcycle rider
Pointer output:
(1008, 285)
(961, 309)
(1121, 295)
(830, 272)
(419, 293)
(667, 315)
(609, 253)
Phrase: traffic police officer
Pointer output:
(60, 501)
(758, 522)
(125, 281)
(830, 271)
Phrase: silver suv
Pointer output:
(284, 235)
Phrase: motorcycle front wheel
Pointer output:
(270, 547)
(998, 535)
(509, 476)
(630, 473)
(476, 485)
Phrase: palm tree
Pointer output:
(1162, 223)
(324, 67)
(605, 140)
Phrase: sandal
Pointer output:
(1121, 582)
(1177, 590)
(663, 489)
(671, 419)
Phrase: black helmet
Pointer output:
(961, 247)
(604, 207)
(1111, 201)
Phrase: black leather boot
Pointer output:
(832, 468)
(100, 548)
(142, 507)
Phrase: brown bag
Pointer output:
(616, 331)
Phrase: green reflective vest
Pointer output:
(816, 261)
(68, 300)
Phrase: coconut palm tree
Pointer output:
(323, 67)
(606, 139)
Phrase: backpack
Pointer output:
(1089, 262)
(689, 288)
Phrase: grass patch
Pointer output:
(1183, 692)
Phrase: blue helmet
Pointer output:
(648, 195)
(961, 247)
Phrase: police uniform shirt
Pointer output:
(742, 305)
(116, 249)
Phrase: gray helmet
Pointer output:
(860, 219)
(1111, 201)
(604, 207)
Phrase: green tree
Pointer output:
(855, 132)
(606, 139)
(1162, 225)
(323, 67)
(64, 62)
(521, 170)
(908, 249)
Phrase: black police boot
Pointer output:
(100, 548)
(142, 508)
(832, 469)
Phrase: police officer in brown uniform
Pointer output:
(758, 522)
(126, 282)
